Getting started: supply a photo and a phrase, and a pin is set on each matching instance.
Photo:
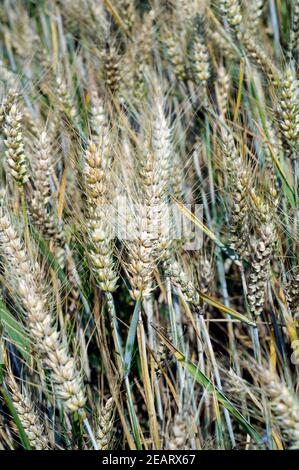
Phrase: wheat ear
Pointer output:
(49, 342)
(232, 13)
(180, 279)
(294, 33)
(200, 55)
(288, 112)
(284, 405)
(239, 180)
(97, 162)
(28, 416)
(7, 102)
(292, 292)
(105, 425)
(222, 89)
(14, 144)
(261, 252)
(38, 201)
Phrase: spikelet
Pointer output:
(292, 292)
(28, 416)
(185, 10)
(100, 26)
(25, 42)
(139, 58)
(261, 253)
(288, 113)
(180, 433)
(205, 274)
(39, 201)
(73, 298)
(232, 13)
(15, 147)
(175, 56)
(111, 69)
(65, 101)
(154, 173)
(142, 250)
(146, 243)
(93, 22)
(220, 43)
(30, 125)
(180, 279)
(98, 120)
(127, 10)
(105, 425)
(254, 15)
(149, 221)
(7, 102)
(48, 225)
(260, 58)
(128, 65)
(145, 37)
(284, 405)
(239, 180)
(97, 162)
(161, 357)
(41, 165)
(200, 55)
(50, 345)
(274, 146)
(162, 150)
(99, 230)
(7, 76)
(222, 90)
(294, 33)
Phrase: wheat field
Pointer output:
(149, 216)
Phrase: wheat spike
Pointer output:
(200, 55)
(15, 156)
(180, 279)
(232, 13)
(105, 425)
(28, 416)
(288, 113)
(284, 405)
(97, 162)
(292, 292)
(239, 181)
(262, 250)
(49, 343)
(222, 90)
